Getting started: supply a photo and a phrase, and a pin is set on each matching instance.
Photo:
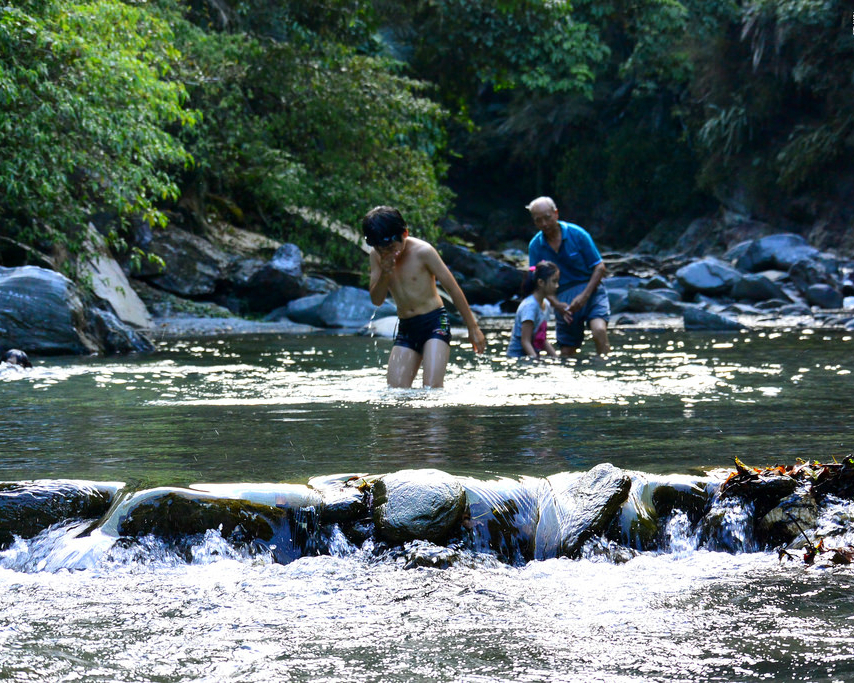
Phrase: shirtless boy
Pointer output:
(408, 268)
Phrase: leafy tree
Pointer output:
(297, 114)
(774, 89)
(86, 114)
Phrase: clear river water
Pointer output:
(288, 408)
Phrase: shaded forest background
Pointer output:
(638, 116)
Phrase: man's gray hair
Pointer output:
(547, 200)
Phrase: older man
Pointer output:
(581, 298)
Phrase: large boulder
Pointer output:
(779, 251)
(348, 307)
(418, 504)
(42, 312)
(709, 276)
(193, 266)
(576, 507)
(111, 285)
(483, 279)
(268, 285)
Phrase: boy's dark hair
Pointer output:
(542, 271)
(382, 225)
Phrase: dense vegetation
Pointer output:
(635, 115)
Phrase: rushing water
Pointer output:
(285, 409)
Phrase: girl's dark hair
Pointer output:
(542, 271)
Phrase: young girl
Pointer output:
(532, 316)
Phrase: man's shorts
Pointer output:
(597, 306)
(413, 333)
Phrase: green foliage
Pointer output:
(85, 102)
(296, 116)
(776, 96)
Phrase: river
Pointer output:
(288, 408)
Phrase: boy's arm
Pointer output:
(380, 278)
(447, 280)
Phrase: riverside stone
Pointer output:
(41, 311)
(779, 251)
(708, 276)
(824, 296)
(696, 318)
(756, 287)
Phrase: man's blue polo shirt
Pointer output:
(577, 257)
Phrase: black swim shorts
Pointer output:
(414, 332)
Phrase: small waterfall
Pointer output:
(439, 520)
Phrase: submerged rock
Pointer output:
(501, 516)
(29, 507)
(179, 515)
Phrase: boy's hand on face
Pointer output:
(388, 257)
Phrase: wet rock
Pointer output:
(637, 524)
(708, 276)
(422, 504)
(291, 496)
(180, 515)
(763, 490)
(678, 493)
(602, 549)
(16, 357)
(696, 318)
(501, 517)
(426, 554)
(793, 516)
(29, 507)
(344, 498)
(576, 507)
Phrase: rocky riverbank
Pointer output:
(236, 282)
